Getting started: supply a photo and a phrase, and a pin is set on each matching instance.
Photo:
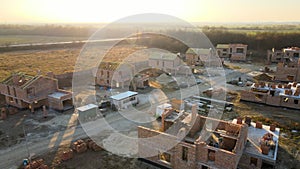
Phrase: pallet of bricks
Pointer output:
(36, 164)
(79, 146)
(67, 154)
(92, 145)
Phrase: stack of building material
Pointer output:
(66, 155)
(267, 143)
(92, 145)
(79, 146)
(37, 164)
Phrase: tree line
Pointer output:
(265, 38)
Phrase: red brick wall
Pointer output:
(191, 157)
(245, 162)
(290, 103)
(282, 73)
(227, 160)
(44, 86)
(64, 80)
(251, 96)
(273, 100)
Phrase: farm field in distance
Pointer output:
(6, 40)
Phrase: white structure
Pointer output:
(123, 100)
(87, 112)
(89, 107)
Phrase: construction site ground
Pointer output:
(26, 133)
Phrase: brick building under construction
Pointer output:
(282, 95)
(202, 142)
(26, 91)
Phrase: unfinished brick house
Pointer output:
(112, 74)
(283, 95)
(259, 152)
(285, 55)
(274, 56)
(203, 57)
(209, 143)
(141, 81)
(287, 72)
(233, 52)
(168, 62)
(25, 91)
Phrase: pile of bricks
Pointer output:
(79, 146)
(67, 154)
(266, 143)
(92, 145)
(37, 164)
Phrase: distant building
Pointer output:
(111, 74)
(203, 57)
(282, 95)
(25, 91)
(291, 54)
(141, 81)
(285, 55)
(123, 100)
(233, 52)
(288, 71)
(188, 140)
(274, 56)
(167, 62)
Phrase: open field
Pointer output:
(57, 61)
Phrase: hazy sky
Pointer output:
(46, 11)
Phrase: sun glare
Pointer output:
(99, 11)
